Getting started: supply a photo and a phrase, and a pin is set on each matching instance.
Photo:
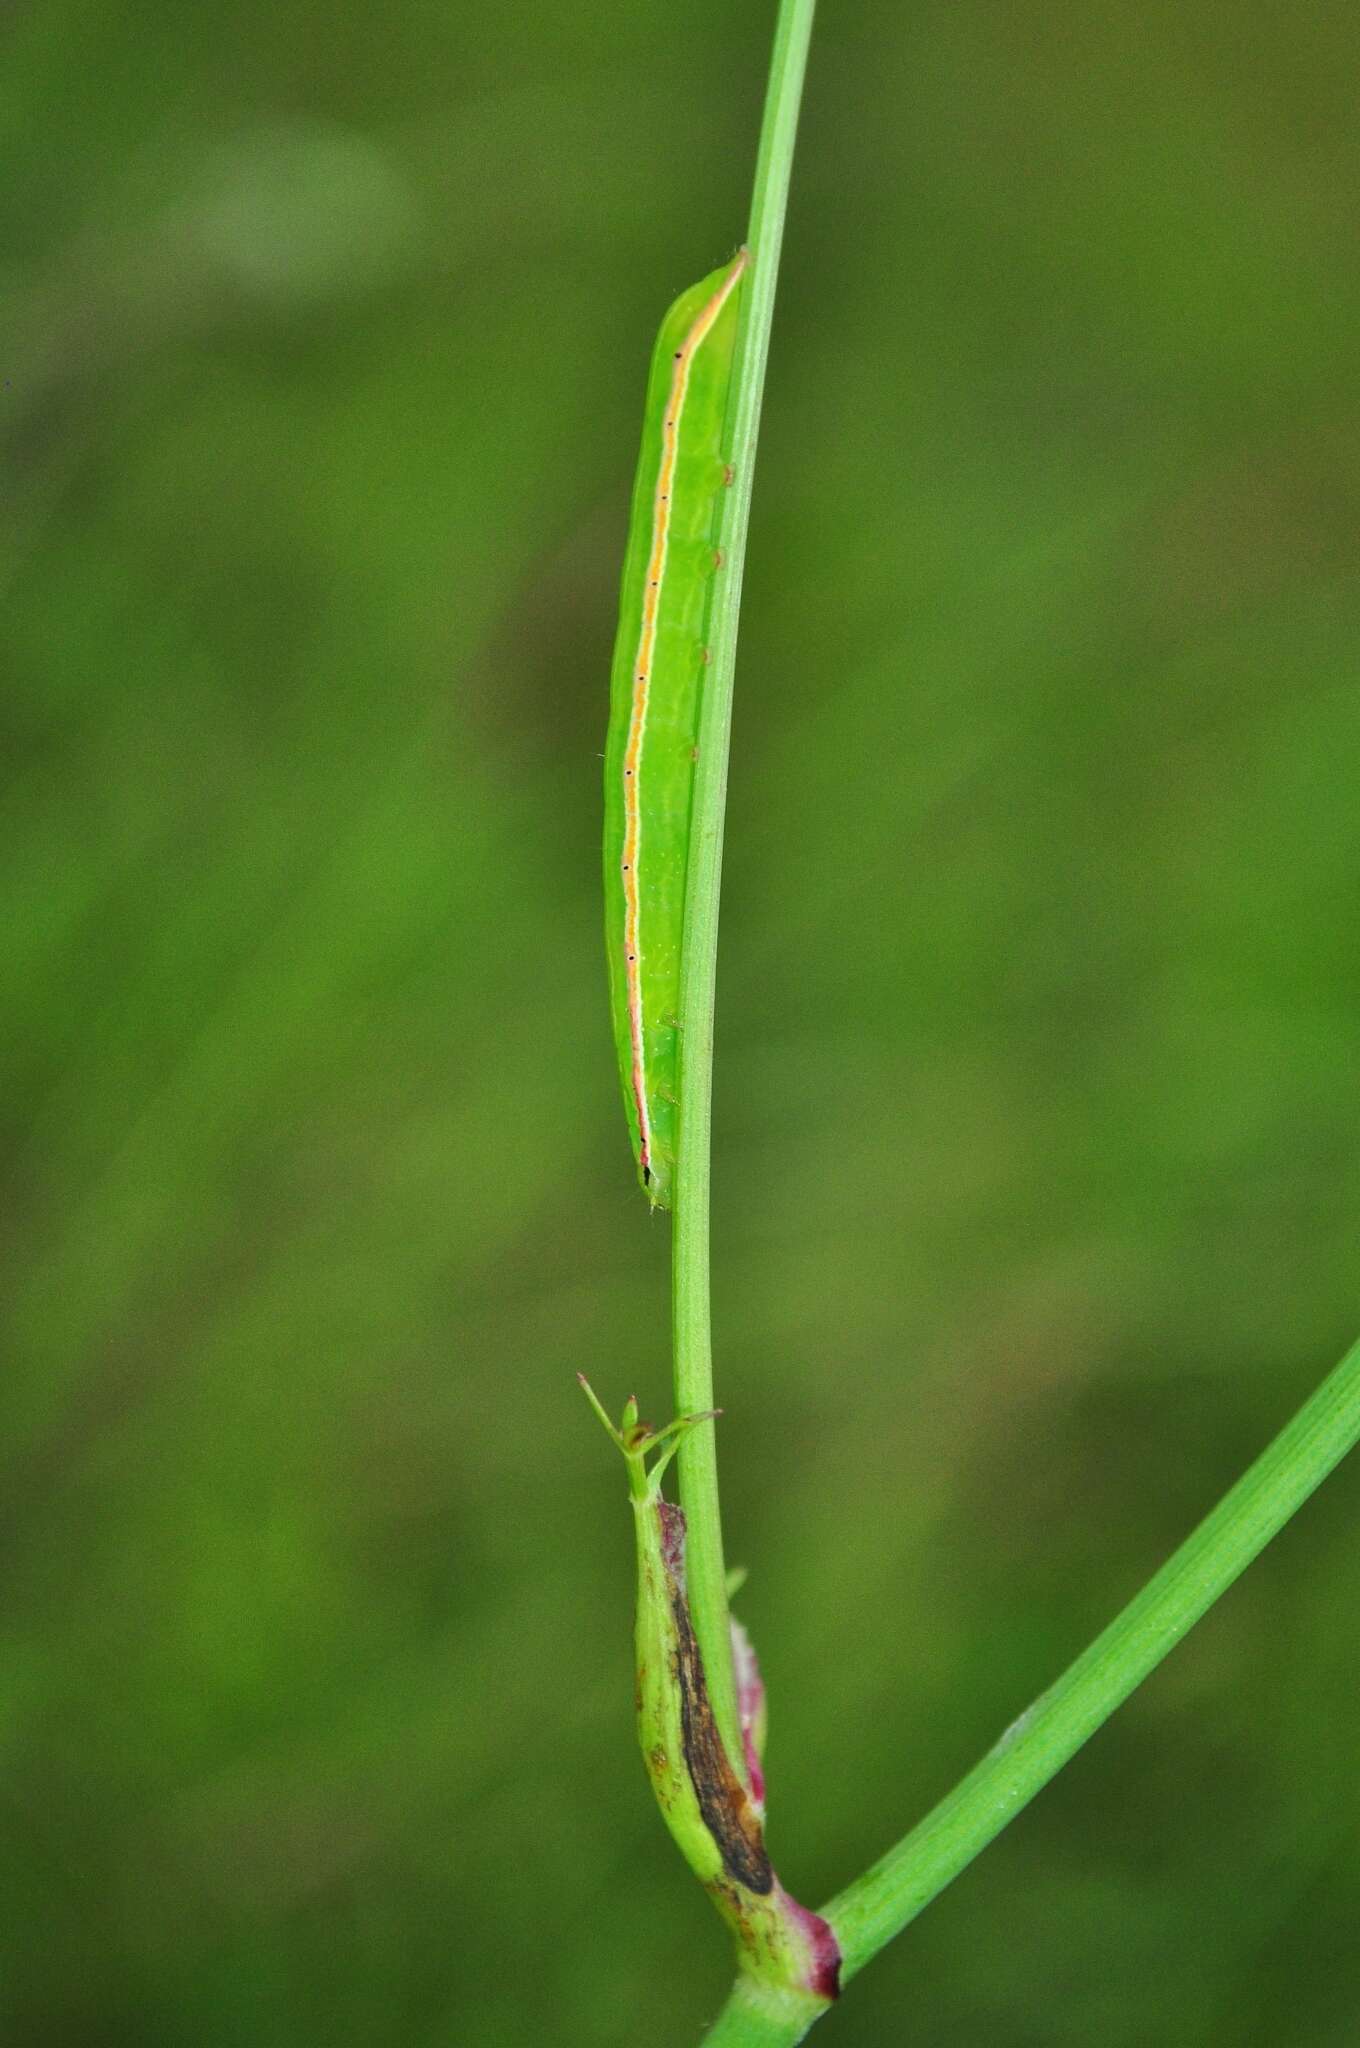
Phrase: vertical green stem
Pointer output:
(690, 1296)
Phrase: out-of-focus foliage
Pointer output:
(324, 339)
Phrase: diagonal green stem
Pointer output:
(879, 1904)
(698, 1465)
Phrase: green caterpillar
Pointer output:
(659, 660)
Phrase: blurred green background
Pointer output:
(1038, 1110)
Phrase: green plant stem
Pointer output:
(747, 2022)
(698, 1468)
(882, 1902)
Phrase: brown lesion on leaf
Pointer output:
(723, 1800)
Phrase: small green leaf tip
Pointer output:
(598, 1406)
(638, 1440)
